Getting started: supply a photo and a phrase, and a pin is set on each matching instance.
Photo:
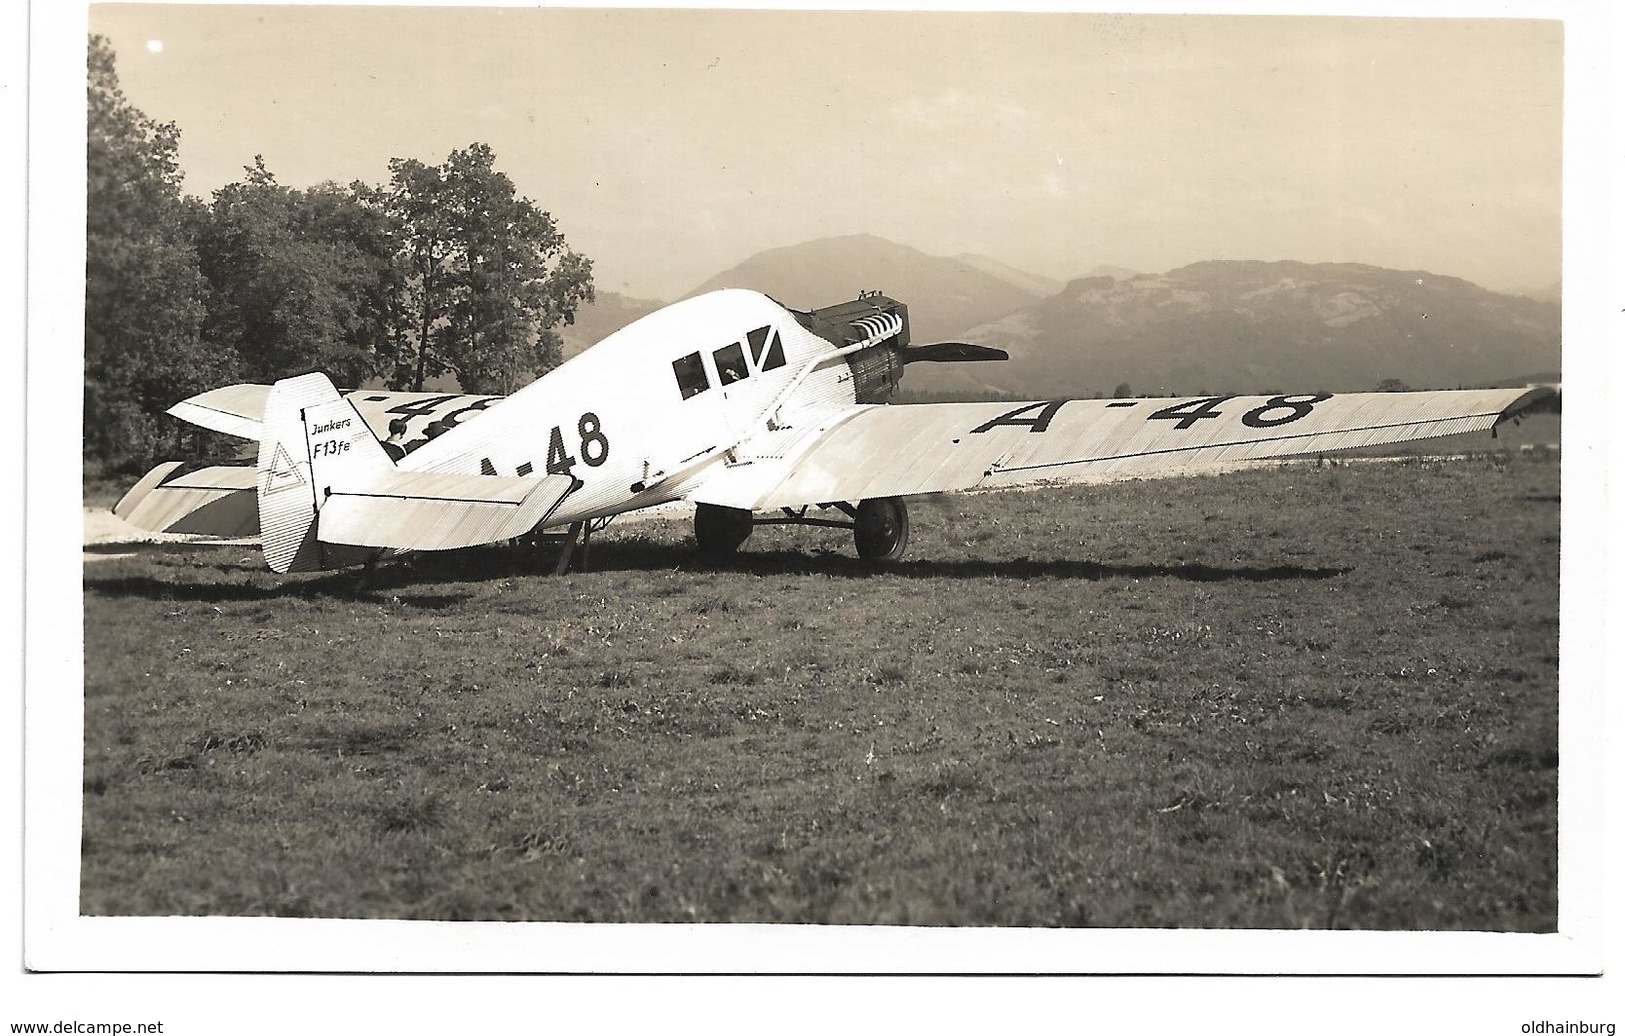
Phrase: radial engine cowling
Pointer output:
(881, 323)
(875, 373)
(869, 317)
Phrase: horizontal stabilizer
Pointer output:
(217, 501)
(240, 410)
(233, 410)
(951, 352)
(410, 510)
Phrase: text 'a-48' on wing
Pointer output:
(899, 450)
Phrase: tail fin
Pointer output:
(311, 439)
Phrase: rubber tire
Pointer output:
(720, 531)
(880, 530)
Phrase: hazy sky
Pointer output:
(672, 144)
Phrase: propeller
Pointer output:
(950, 352)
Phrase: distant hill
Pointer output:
(1244, 327)
(944, 296)
(602, 317)
(1032, 283)
(1553, 292)
(1211, 327)
(1116, 273)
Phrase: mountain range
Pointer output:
(1219, 326)
(834, 269)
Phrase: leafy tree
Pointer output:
(1122, 391)
(487, 275)
(445, 269)
(1392, 385)
(299, 280)
(143, 290)
(413, 203)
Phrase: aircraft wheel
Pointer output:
(881, 529)
(718, 531)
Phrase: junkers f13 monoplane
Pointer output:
(731, 402)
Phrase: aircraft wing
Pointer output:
(215, 501)
(238, 410)
(234, 410)
(861, 453)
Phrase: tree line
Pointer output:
(443, 270)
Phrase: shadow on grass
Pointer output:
(645, 556)
(483, 564)
(784, 563)
(634, 555)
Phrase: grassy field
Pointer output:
(1321, 697)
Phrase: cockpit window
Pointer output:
(690, 371)
(731, 363)
(766, 349)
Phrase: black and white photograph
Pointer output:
(589, 490)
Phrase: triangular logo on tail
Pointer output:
(283, 472)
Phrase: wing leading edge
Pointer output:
(899, 450)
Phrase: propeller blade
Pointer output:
(951, 352)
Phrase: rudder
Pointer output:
(311, 438)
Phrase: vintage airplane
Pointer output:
(731, 402)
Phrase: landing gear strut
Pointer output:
(577, 531)
(574, 543)
(879, 527)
